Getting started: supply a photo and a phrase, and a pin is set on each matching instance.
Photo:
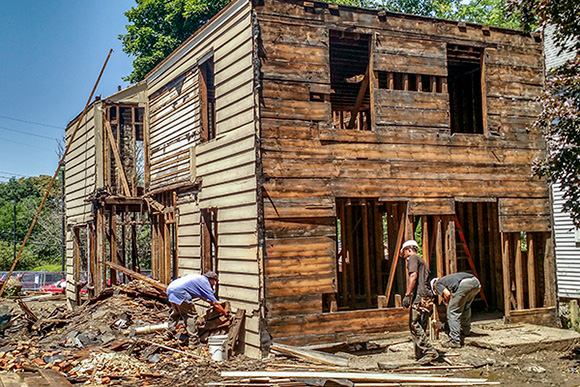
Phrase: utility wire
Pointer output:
(14, 174)
(31, 122)
(33, 243)
(21, 143)
(28, 134)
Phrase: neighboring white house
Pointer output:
(566, 234)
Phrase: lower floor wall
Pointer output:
(336, 326)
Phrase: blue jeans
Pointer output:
(459, 308)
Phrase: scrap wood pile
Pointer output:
(98, 343)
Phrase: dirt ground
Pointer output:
(91, 347)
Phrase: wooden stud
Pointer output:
(359, 100)
(481, 247)
(549, 272)
(531, 271)
(379, 254)
(113, 242)
(390, 81)
(471, 218)
(425, 229)
(519, 271)
(119, 165)
(398, 301)
(505, 243)
(484, 94)
(439, 247)
(92, 259)
(343, 283)
(373, 83)
(406, 82)
(450, 246)
(395, 261)
(419, 81)
(349, 254)
(433, 84)
(77, 264)
(366, 251)
(382, 302)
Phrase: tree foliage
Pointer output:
(157, 27)
(23, 196)
(560, 118)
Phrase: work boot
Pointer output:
(428, 358)
(451, 344)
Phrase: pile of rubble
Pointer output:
(115, 338)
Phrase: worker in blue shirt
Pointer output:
(181, 294)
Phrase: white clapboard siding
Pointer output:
(567, 241)
(226, 164)
(567, 250)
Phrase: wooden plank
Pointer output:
(156, 284)
(439, 247)
(549, 271)
(431, 206)
(310, 355)
(425, 231)
(113, 241)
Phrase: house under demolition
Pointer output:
(292, 146)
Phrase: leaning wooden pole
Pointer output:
(60, 164)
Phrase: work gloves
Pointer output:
(407, 301)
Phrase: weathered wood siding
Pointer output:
(81, 177)
(225, 165)
(410, 153)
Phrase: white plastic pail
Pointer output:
(218, 347)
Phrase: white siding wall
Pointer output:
(226, 164)
(567, 249)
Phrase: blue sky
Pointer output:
(51, 53)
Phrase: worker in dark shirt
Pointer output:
(458, 291)
(419, 296)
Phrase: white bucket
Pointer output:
(218, 347)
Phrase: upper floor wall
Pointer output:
(200, 94)
(365, 103)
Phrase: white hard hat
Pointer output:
(409, 243)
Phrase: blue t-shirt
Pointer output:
(189, 287)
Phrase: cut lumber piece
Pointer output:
(312, 355)
(53, 377)
(156, 284)
(350, 376)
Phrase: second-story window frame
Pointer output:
(207, 98)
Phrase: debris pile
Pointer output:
(97, 343)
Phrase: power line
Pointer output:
(14, 174)
(21, 143)
(29, 134)
(31, 122)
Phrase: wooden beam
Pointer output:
(359, 100)
(439, 247)
(379, 247)
(425, 230)
(156, 284)
(519, 271)
(113, 242)
(531, 271)
(118, 163)
(77, 264)
(550, 272)
(450, 246)
(505, 258)
(366, 251)
(396, 254)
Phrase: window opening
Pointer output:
(350, 97)
(209, 240)
(207, 99)
(464, 87)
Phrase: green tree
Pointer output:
(560, 118)
(157, 27)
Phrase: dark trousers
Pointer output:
(188, 314)
(419, 314)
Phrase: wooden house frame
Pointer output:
(292, 146)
